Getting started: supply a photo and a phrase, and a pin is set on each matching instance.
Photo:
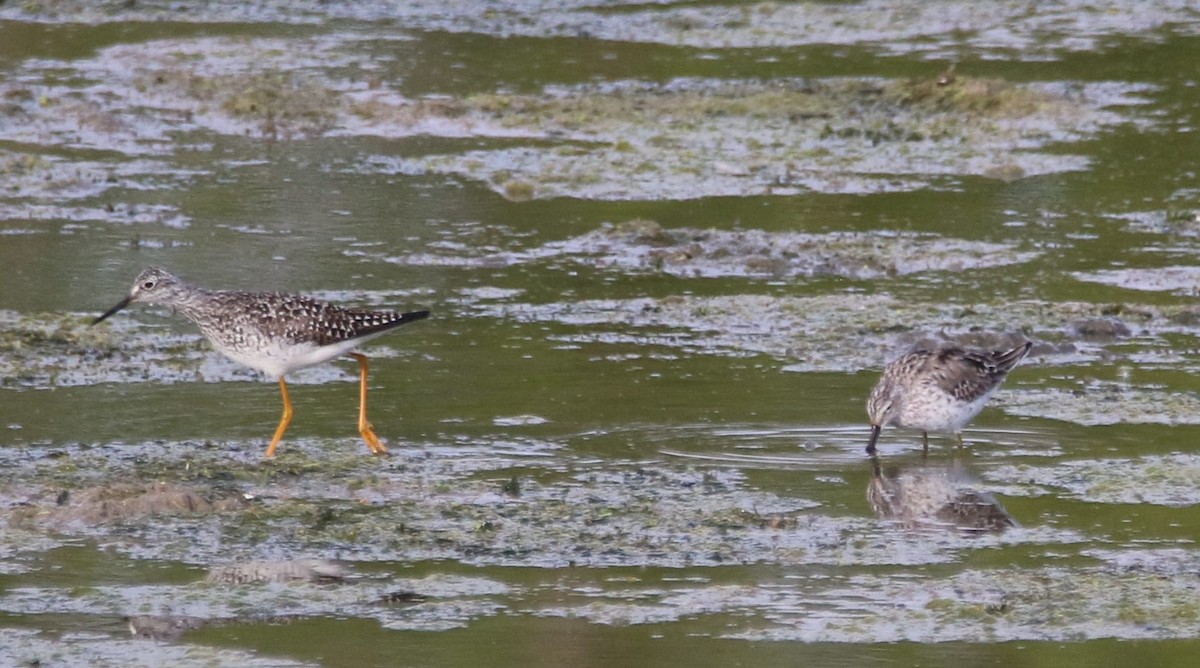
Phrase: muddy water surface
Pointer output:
(667, 248)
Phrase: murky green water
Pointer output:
(667, 248)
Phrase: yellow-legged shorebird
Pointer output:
(272, 332)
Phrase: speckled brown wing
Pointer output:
(300, 319)
(340, 324)
(968, 375)
(901, 370)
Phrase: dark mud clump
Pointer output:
(124, 502)
(279, 104)
(985, 97)
(1101, 330)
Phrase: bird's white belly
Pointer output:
(938, 411)
(276, 360)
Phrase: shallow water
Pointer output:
(667, 248)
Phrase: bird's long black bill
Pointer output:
(875, 429)
(120, 305)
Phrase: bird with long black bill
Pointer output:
(273, 332)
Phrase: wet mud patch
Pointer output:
(642, 245)
(894, 28)
(160, 97)
(1183, 280)
(942, 28)
(973, 606)
(622, 140)
(318, 502)
(1177, 222)
(28, 175)
(86, 647)
(43, 187)
(987, 606)
(694, 138)
(645, 245)
(1097, 403)
(1163, 561)
(314, 507)
(83, 151)
(853, 332)
(121, 503)
(168, 612)
(278, 89)
(61, 350)
(104, 131)
(1169, 480)
(136, 98)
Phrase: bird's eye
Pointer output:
(148, 285)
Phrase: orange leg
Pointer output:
(283, 421)
(364, 427)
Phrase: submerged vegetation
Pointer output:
(680, 139)
(278, 104)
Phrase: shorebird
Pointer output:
(272, 332)
(938, 390)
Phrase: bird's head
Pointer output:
(153, 286)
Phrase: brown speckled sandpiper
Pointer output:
(272, 332)
(938, 390)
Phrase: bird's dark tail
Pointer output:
(400, 319)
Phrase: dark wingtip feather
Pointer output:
(1006, 361)
(412, 316)
(402, 319)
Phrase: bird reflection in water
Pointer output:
(930, 496)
